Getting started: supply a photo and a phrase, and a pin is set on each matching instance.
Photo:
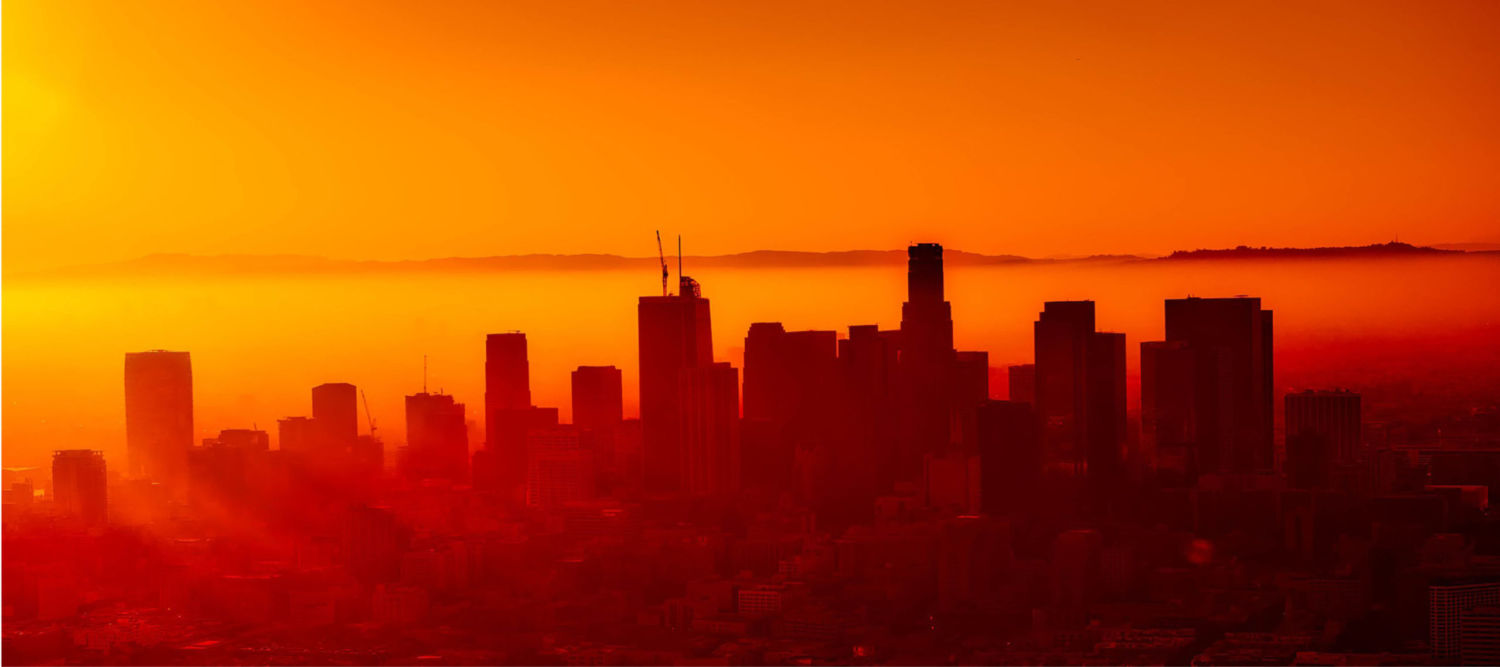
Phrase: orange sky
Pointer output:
(393, 130)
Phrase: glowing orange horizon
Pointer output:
(368, 130)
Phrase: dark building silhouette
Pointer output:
(1022, 383)
(869, 360)
(927, 357)
(1169, 429)
(158, 413)
(335, 409)
(765, 371)
(598, 402)
(1106, 415)
(1010, 456)
(373, 541)
(559, 470)
(1322, 430)
(437, 438)
(297, 434)
(507, 382)
(244, 438)
(79, 484)
(971, 377)
(674, 335)
(1232, 343)
(1062, 334)
(710, 449)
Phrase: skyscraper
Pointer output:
(507, 381)
(78, 484)
(1106, 415)
(1022, 378)
(710, 453)
(1234, 364)
(1010, 456)
(674, 335)
(1333, 415)
(1169, 376)
(158, 413)
(1062, 334)
(297, 434)
(558, 469)
(437, 438)
(927, 356)
(597, 398)
(336, 415)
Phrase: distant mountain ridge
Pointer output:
(177, 265)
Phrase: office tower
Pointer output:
(336, 417)
(297, 434)
(1232, 340)
(373, 541)
(1105, 430)
(158, 413)
(1479, 636)
(1062, 333)
(437, 438)
(558, 469)
(1022, 379)
(710, 438)
(674, 335)
(598, 411)
(507, 383)
(1010, 456)
(597, 398)
(764, 371)
(1331, 415)
(869, 361)
(927, 356)
(971, 376)
(503, 465)
(1446, 605)
(245, 439)
(78, 484)
(1169, 376)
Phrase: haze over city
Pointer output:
(750, 333)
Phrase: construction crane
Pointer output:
(368, 416)
(662, 256)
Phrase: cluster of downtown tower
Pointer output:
(834, 422)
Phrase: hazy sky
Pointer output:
(420, 129)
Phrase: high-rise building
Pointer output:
(971, 377)
(507, 382)
(598, 404)
(158, 413)
(1330, 415)
(710, 451)
(1022, 378)
(765, 370)
(1010, 456)
(927, 357)
(336, 418)
(1105, 415)
(79, 484)
(297, 434)
(1479, 636)
(1446, 605)
(1169, 376)
(1234, 366)
(558, 469)
(503, 464)
(437, 438)
(1062, 334)
(675, 334)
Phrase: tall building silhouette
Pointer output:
(1233, 352)
(1022, 380)
(1105, 431)
(559, 470)
(1062, 333)
(507, 381)
(869, 360)
(710, 439)
(1010, 456)
(158, 413)
(675, 335)
(79, 484)
(927, 356)
(1169, 428)
(336, 418)
(437, 439)
(765, 371)
(598, 402)
(297, 434)
(1322, 430)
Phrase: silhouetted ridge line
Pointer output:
(1392, 249)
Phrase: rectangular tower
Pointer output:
(674, 334)
(158, 413)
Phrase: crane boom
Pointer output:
(662, 256)
(368, 416)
